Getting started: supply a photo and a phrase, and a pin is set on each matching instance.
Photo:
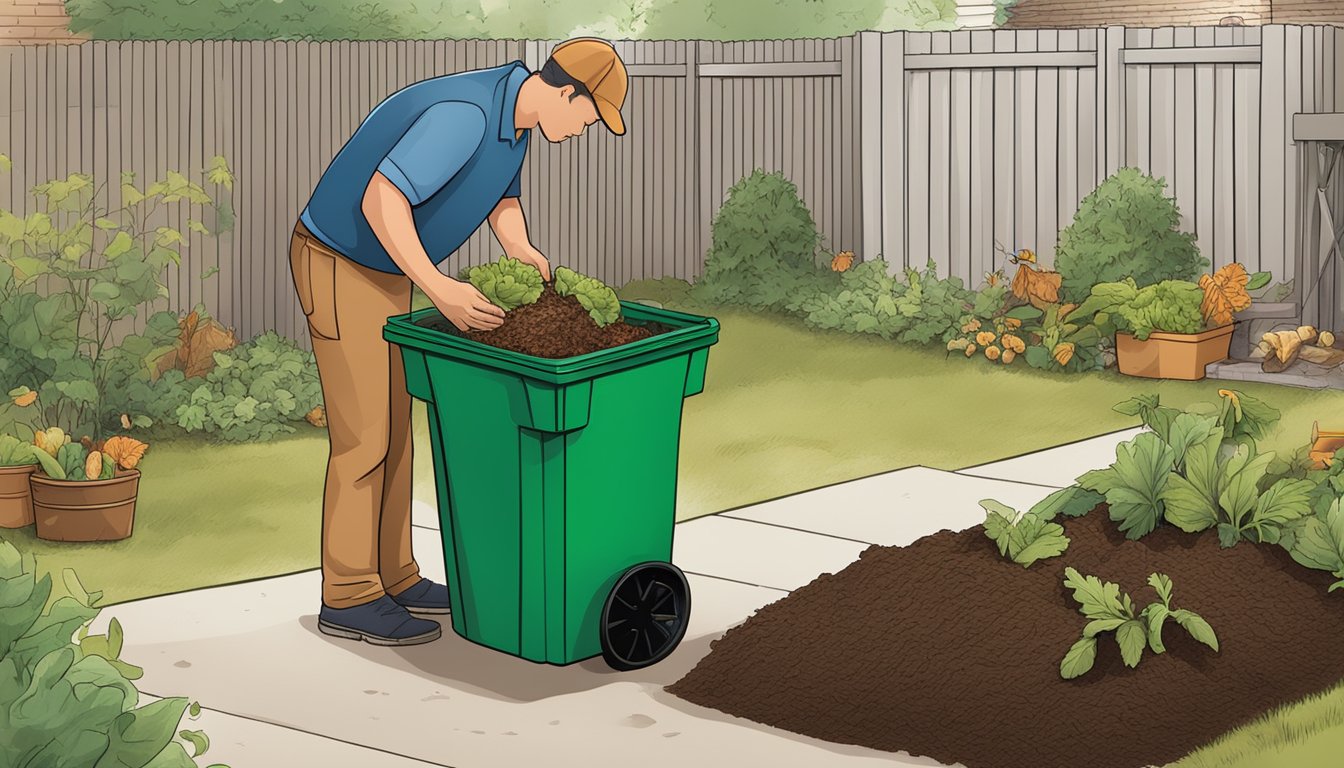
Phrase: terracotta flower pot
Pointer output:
(91, 510)
(1172, 355)
(16, 500)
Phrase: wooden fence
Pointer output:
(906, 145)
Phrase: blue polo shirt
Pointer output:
(448, 143)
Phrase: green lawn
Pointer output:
(785, 409)
(1307, 734)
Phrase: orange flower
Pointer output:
(93, 465)
(842, 261)
(126, 451)
(26, 399)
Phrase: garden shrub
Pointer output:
(1126, 227)
(66, 697)
(764, 249)
(466, 19)
(256, 391)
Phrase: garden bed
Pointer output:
(945, 649)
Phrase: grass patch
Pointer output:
(785, 409)
(1307, 733)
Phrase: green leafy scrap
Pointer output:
(596, 297)
(507, 283)
(1026, 539)
(1225, 492)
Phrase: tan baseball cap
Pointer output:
(596, 64)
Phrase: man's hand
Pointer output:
(463, 305)
(529, 255)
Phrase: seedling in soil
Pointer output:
(1026, 539)
(1111, 610)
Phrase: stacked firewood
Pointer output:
(1280, 349)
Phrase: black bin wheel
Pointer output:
(645, 616)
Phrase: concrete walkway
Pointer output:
(277, 691)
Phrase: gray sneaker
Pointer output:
(381, 622)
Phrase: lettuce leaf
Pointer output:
(595, 296)
(507, 283)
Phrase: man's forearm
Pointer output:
(389, 215)
(509, 225)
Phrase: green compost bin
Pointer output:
(556, 483)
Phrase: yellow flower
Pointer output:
(842, 261)
(992, 352)
(1008, 356)
(1026, 255)
(1012, 322)
(970, 350)
(984, 338)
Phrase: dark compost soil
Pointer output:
(945, 649)
(554, 327)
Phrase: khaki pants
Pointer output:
(366, 506)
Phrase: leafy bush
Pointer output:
(1126, 227)
(1177, 450)
(1111, 610)
(764, 249)
(256, 391)
(15, 453)
(71, 270)
(507, 283)
(535, 19)
(593, 294)
(72, 703)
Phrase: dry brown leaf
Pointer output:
(26, 399)
(196, 356)
(126, 451)
(317, 417)
(1063, 352)
(1039, 288)
(842, 261)
(1224, 294)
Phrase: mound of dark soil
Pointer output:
(945, 649)
(553, 327)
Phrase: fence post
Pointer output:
(699, 227)
(703, 133)
(869, 160)
(892, 104)
(1112, 104)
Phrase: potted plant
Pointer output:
(1174, 328)
(16, 464)
(85, 491)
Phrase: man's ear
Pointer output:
(566, 92)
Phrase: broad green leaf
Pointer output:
(1257, 416)
(1239, 483)
(1197, 627)
(1161, 583)
(1080, 658)
(1228, 535)
(1074, 501)
(1258, 280)
(1133, 485)
(197, 227)
(105, 223)
(218, 172)
(50, 466)
(1156, 615)
(1186, 507)
(104, 291)
(1187, 431)
(115, 638)
(1132, 638)
(200, 743)
(120, 245)
(1318, 543)
(1097, 626)
(138, 736)
(1098, 600)
(1283, 502)
(1024, 313)
(1037, 541)
(166, 236)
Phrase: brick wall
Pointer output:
(34, 21)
